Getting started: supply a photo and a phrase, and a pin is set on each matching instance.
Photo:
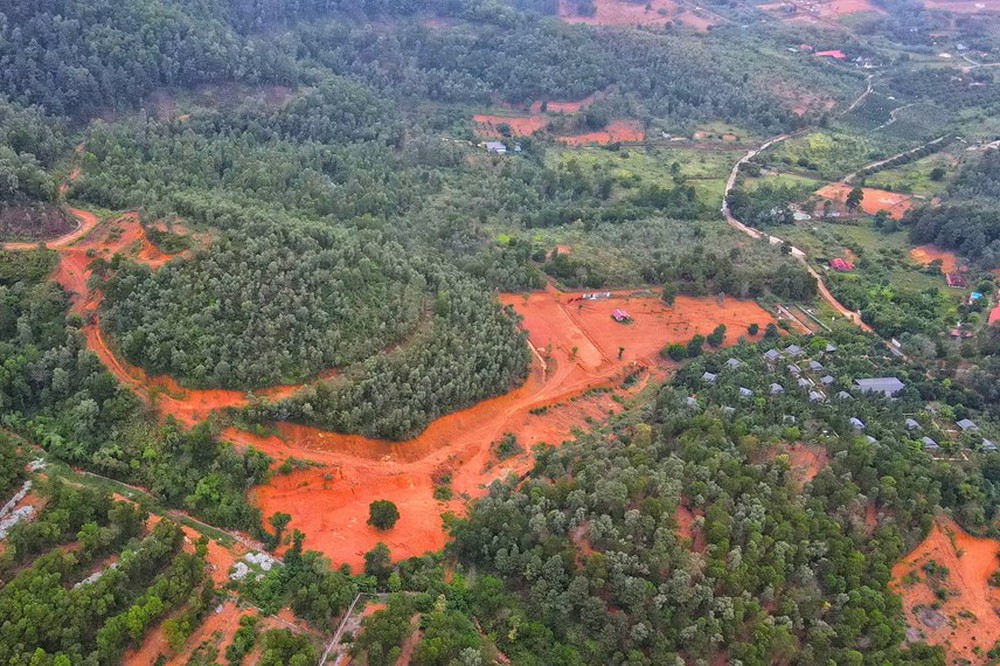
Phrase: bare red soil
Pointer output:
(624, 13)
(577, 346)
(925, 254)
(687, 530)
(489, 126)
(807, 460)
(970, 561)
(564, 107)
(625, 131)
(874, 200)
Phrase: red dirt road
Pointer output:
(970, 561)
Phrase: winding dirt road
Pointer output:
(824, 292)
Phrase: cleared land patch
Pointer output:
(893, 203)
(947, 596)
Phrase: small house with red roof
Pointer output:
(621, 316)
(995, 316)
(842, 265)
(956, 280)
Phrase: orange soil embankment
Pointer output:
(577, 347)
(893, 203)
(925, 254)
(625, 131)
(87, 222)
(970, 561)
(489, 126)
(125, 236)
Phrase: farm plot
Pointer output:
(894, 203)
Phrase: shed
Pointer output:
(887, 386)
(496, 147)
(844, 395)
(734, 363)
(930, 444)
(842, 265)
(691, 402)
(708, 377)
(621, 316)
(967, 426)
(956, 280)
(777, 389)
(856, 423)
(728, 411)
(988, 445)
(745, 392)
(870, 439)
(830, 348)
(788, 418)
(912, 424)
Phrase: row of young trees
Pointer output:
(54, 615)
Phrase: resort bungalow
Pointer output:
(912, 424)
(745, 392)
(930, 444)
(887, 386)
(827, 380)
(815, 366)
(856, 423)
(816, 396)
(794, 351)
(777, 389)
(772, 356)
(988, 445)
(844, 395)
(967, 426)
(794, 369)
(708, 377)
(734, 363)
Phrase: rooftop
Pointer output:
(888, 386)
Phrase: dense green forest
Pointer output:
(969, 221)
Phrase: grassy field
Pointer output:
(704, 169)
(914, 178)
(879, 258)
(831, 153)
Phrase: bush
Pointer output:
(674, 352)
(382, 514)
